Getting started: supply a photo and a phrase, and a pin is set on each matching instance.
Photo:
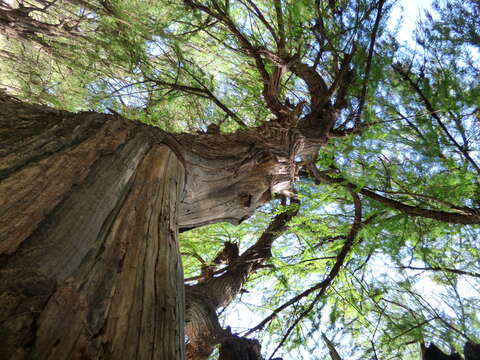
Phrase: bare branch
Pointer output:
(444, 216)
(373, 39)
(214, 292)
(317, 86)
(438, 268)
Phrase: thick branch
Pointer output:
(258, 253)
(270, 85)
(317, 87)
(204, 298)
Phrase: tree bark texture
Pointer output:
(18, 23)
(90, 267)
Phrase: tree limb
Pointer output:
(373, 39)
(324, 285)
(444, 216)
(438, 268)
(270, 85)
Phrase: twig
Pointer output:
(437, 268)
(373, 39)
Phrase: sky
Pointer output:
(410, 11)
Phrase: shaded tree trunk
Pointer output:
(237, 348)
(90, 266)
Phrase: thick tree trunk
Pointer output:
(90, 206)
(90, 267)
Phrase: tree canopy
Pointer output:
(374, 253)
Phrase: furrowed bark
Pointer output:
(90, 265)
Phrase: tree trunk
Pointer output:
(90, 207)
(90, 267)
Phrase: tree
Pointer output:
(295, 93)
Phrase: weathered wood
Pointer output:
(44, 154)
(230, 176)
(91, 268)
(202, 326)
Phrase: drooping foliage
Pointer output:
(382, 256)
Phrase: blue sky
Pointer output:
(410, 11)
